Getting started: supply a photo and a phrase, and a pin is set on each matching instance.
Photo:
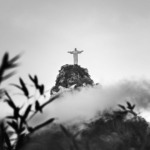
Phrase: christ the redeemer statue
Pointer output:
(75, 55)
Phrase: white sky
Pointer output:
(114, 35)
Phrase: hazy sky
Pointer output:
(114, 35)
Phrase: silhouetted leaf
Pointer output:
(36, 81)
(5, 60)
(43, 124)
(21, 129)
(20, 141)
(32, 79)
(13, 106)
(122, 107)
(30, 129)
(14, 125)
(7, 64)
(37, 106)
(37, 86)
(133, 106)
(11, 63)
(10, 66)
(3, 66)
(49, 101)
(24, 88)
(14, 59)
(17, 86)
(8, 143)
(16, 112)
(27, 112)
(8, 75)
(10, 101)
(10, 117)
(41, 89)
(129, 106)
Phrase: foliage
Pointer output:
(111, 131)
(16, 125)
(72, 75)
(6, 65)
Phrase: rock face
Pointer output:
(70, 75)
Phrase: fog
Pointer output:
(84, 104)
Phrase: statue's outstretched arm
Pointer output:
(70, 52)
(80, 51)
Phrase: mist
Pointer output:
(84, 104)
(80, 107)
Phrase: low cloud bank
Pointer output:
(85, 104)
(81, 106)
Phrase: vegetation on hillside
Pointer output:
(70, 75)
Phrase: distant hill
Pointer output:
(70, 75)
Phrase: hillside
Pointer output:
(70, 75)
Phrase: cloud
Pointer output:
(85, 104)
(77, 106)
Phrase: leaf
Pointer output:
(24, 88)
(5, 60)
(14, 107)
(37, 106)
(36, 81)
(10, 117)
(8, 75)
(3, 66)
(20, 141)
(129, 106)
(30, 129)
(21, 130)
(14, 125)
(133, 106)
(14, 58)
(11, 62)
(50, 100)
(32, 79)
(43, 124)
(10, 101)
(27, 112)
(122, 107)
(16, 112)
(41, 89)
(7, 64)
(17, 86)
(7, 140)
(10, 66)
